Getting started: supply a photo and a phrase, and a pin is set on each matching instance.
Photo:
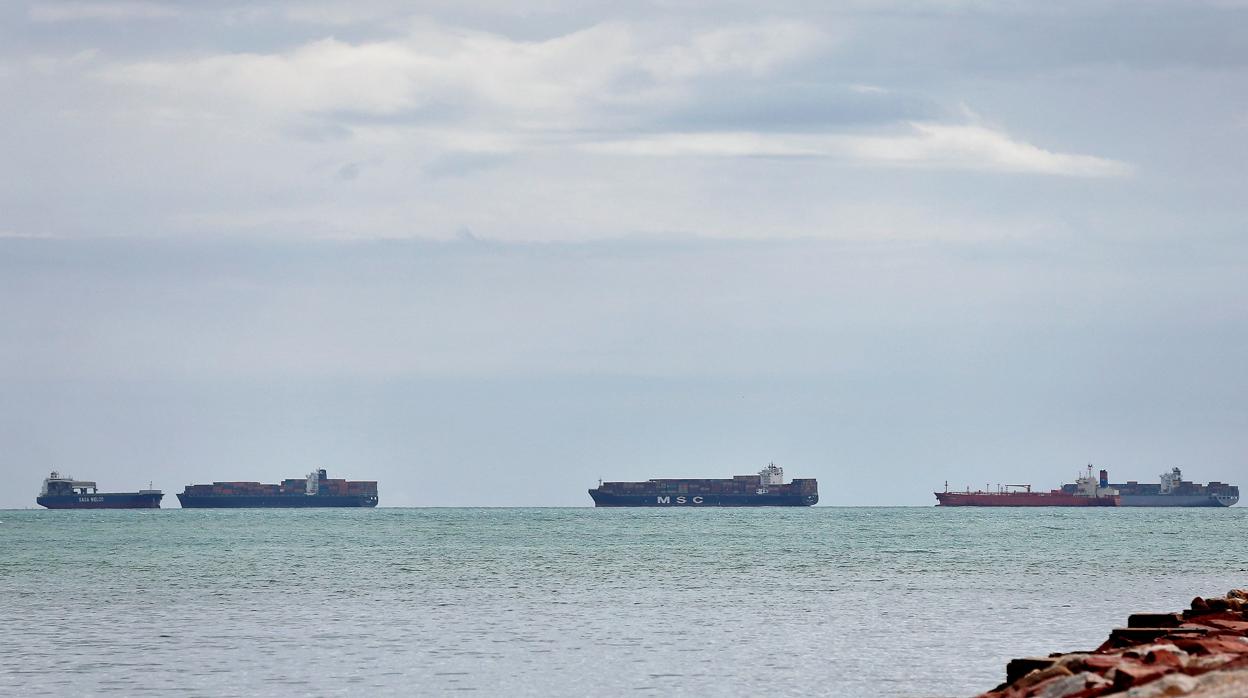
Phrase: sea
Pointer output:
(575, 602)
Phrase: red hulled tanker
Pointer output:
(1086, 492)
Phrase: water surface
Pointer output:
(849, 602)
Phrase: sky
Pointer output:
(487, 253)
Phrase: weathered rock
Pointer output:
(1237, 626)
(1154, 620)
(1018, 668)
(1167, 656)
(1200, 653)
(1041, 675)
(1142, 651)
(1222, 684)
(1171, 685)
(1073, 685)
(1209, 662)
(1130, 674)
(1218, 684)
(1132, 636)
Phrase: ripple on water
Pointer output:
(854, 602)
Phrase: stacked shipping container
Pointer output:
(317, 490)
(740, 490)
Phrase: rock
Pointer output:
(1213, 645)
(1172, 685)
(1199, 653)
(1102, 662)
(1018, 668)
(1154, 620)
(1040, 676)
(1167, 656)
(1237, 626)
(1209, 662)
(1076, 684)
(1134, 636)
(1222, 684)
(1127, 675)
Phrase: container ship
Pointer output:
(1086, 492)
(316, 490)
(766, 489)
(64, 492)
(1171, 491)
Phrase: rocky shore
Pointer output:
(1199, 653)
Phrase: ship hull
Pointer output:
(606, 499)
(279, 501)
(1178, 500)
(1021, 499)
(103, 500)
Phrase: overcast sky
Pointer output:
(487, 254)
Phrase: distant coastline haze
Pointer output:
(487, 256)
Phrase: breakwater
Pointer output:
(1198, 653)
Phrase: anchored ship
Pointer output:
(1172, 491)
(315, 490)
(64, 492)
(1086, 492)
(766, 489)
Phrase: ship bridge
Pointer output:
(66, 484)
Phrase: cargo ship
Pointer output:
(1171, 491)
(315, 490)
(766, 489)
(1086, 492)
(64, 492)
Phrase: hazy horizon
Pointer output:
(487, 255)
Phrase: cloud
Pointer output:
(592, 123)
(113, 11)
(320, 76)
(926, 144)
(532, 84)
(799, 106)
(609, 75)
(484, 93)
(978, 147)
(462, 163)
(753, 50)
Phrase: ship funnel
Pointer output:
(1104, 478)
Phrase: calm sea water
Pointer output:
(847, 602)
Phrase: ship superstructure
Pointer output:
(1086, 492)
(64, 492)
(766, 489)
(315, 490)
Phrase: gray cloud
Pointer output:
(349, 171)
(800, 106)
(130, 132)
(461, 164)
